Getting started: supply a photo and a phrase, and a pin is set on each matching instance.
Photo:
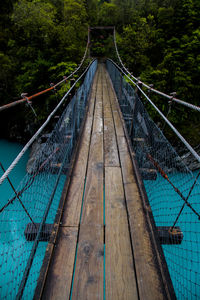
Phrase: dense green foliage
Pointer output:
(41, 40)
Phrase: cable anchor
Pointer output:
(170, 102)
(29, 103)
(52, 85)
(173, 94)
(138, 87)
(65, 78)
(150, 89)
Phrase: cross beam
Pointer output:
(102, 27)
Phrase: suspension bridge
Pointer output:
(107, 209)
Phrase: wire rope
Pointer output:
(27, 99)
(192, 106)
(34, 137)
(189, 147)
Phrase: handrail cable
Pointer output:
(189, 147)
(26, 98)
(192, 106)
(34, 137)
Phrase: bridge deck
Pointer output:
(103, 250)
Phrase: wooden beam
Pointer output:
(88, 279)
(59, 279)
(102, 27)
(119, 270)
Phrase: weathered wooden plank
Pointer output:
(93, 200)
(98, 120)
(148, 276)
(106, 101)
(148, 279)
(59, 277)
(118, 124)
(149, 283)
(127, 168)
(115, 108)
(115, 207)
(88, 279)
(56, 228)
(93, 206)
(72, 209)
(119, 273)
(111, 93)
(119, 269)
(130, 186)
(110, 145)
(93, 94)
(107, 108)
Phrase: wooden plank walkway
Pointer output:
(103, 249)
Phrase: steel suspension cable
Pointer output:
(189, 147)
(192, 106)
(26, 147)
(27, 99)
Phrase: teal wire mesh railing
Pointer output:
(173, 190)
(36, 200)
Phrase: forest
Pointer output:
(42, 40)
